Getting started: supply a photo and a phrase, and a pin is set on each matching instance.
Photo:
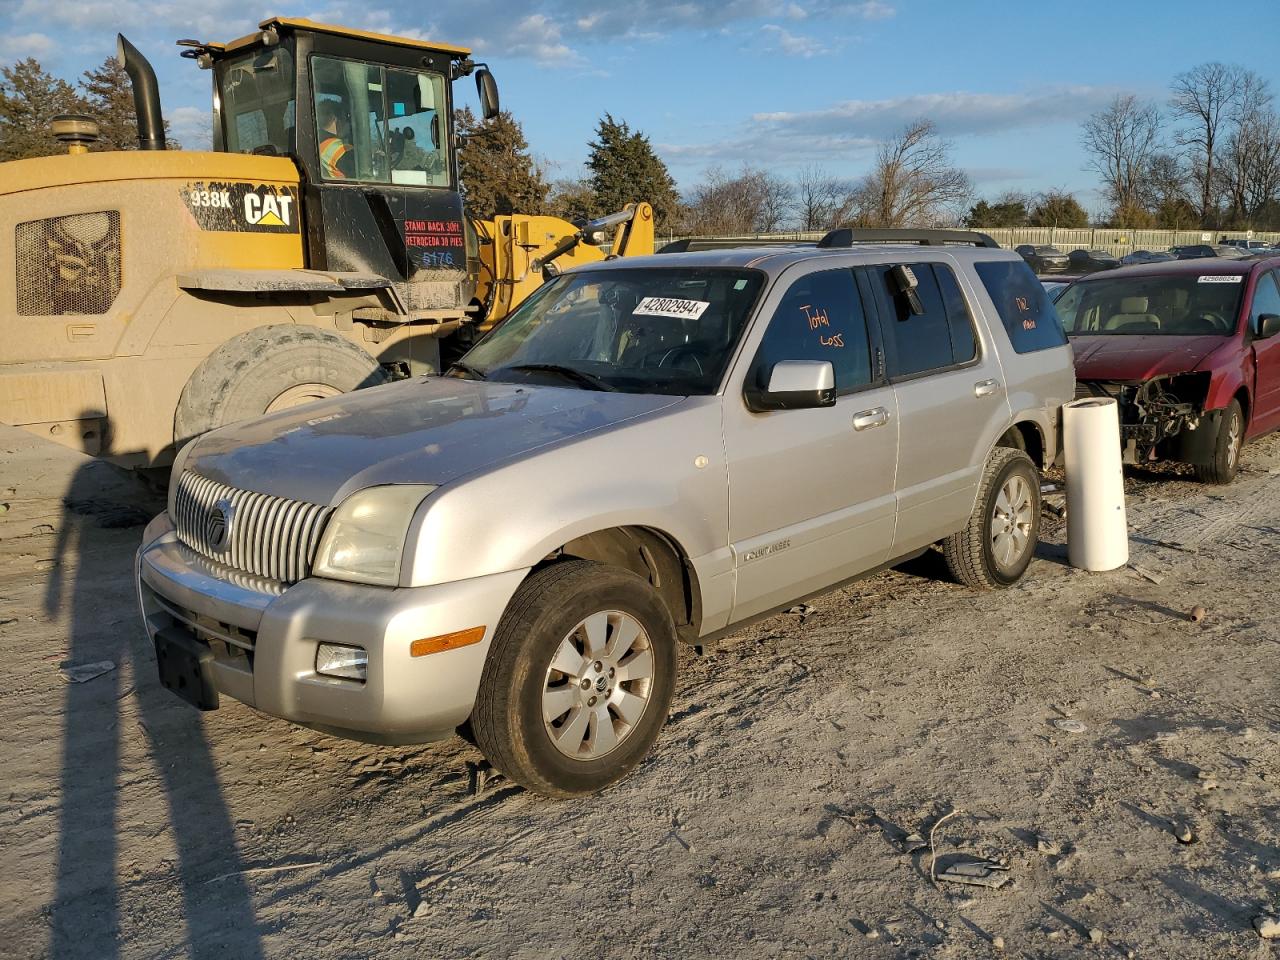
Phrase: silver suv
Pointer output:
(649, 450)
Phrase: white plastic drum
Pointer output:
(1097, 532)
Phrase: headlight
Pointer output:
(364, 539)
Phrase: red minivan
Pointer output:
(1190, 352)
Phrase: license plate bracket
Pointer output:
(186, 668)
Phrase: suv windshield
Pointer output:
(254, 100)
(658, 330)
(1184, 305)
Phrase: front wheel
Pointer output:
(1226, 448)
(996, 546)
(578, 680)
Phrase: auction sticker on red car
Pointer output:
(1223, 278)
(671, 307)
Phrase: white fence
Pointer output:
(1066, 239)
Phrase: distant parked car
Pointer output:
(1232, 253)
(1054, 286)
(1043, 259)
(1250, 245)
(1189, 351)
(1147, 256)
(1199, 251)
(1091, 261)
(1192, 251)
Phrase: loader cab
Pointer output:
(368, 119)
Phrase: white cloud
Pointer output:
(191, 127)
(874, 10)
(26, 45)
(848, 131)
(956, 114)
(794, 45)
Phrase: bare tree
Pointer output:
(1204, 97)
(1251, 152)
(1165, 191)
(1120, 140)
(819, 198)
(912, 182)
(754, 201)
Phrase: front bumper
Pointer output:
(264, 636)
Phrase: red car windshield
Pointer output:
(1183, 305)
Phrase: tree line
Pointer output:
(1208, 157)
(30, 97)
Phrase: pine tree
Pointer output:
(1057, 208)
(29, 100)
(498, 175)
(624, 169)
(108, 98)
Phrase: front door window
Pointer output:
(380, 125)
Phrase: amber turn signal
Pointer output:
(446, 641)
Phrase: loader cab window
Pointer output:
(379, 125)
(254, 102)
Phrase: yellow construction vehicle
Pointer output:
(321, 246)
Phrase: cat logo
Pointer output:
(239, 207)
(268, 209)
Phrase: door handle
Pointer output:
(866, 419)
(985, 388)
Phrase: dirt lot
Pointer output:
(770, 820)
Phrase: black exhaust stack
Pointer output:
(146, 95)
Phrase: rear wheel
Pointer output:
(996, 546)
(269, 369)
(578, 681)
(1226, 448)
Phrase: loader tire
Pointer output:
(268, 369)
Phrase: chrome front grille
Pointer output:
(260, 534)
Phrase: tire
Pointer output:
(1226, 448)
(267, 369)
(975, 554)
(542, 629)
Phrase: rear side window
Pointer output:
(820, 318)
(963, 345)
(941, 336)
(1025, 309)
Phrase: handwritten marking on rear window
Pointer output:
(835, 340)
(671, 307)
(816, 316)
(1223, 278)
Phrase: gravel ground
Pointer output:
(773, 819)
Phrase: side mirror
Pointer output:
(487, 88)
(796, 385)
(1268, 325)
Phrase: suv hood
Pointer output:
(430, 430)
(1137, 358)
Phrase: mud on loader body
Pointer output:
(320, 247)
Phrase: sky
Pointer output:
(780, 84)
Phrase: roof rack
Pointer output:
(848, 236)
(690, 244)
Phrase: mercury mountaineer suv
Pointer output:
(648, 451)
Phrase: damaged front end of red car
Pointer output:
(1161, 418)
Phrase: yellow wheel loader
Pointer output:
(149, 296)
